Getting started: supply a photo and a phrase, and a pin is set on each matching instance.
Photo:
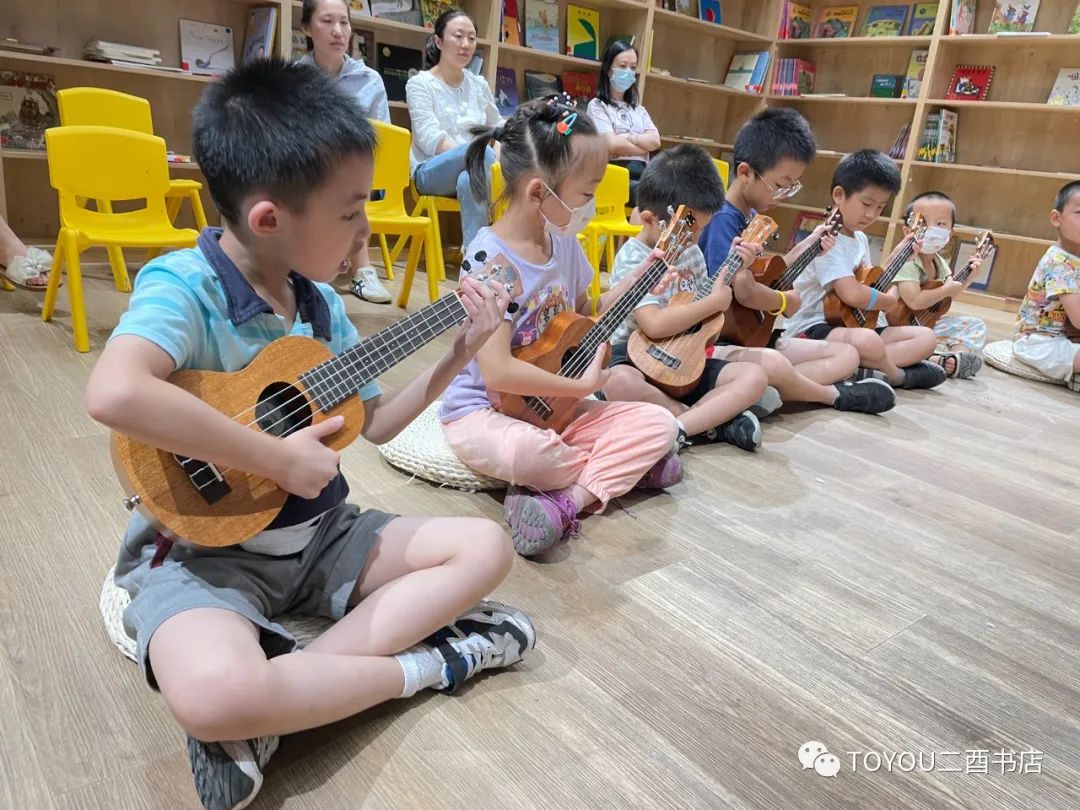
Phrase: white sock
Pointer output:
(681, 426)
(421, 669)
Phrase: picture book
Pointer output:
(928, 139)
(582, 32)
(511, 23)
(709, 11)
(747, 71)
(1013, 15)
(964, 251)
(362, 46)
(899, 147)
(431, 9)
(27, 108)
(805, 222)
(836, 22)
(923, 17)
(945, 148)
(542, 25)
(916, 72)
(581, 86)
(206, 49)
(540, 85)
(359, 8)
(506, 91)
(397, 65)
(299, 44)
(1066, 92)
(970, 83)
(1074, 25)
(886, 85)
(962, 17)
(259, 36)
(402, 11)
(796, 24)
(884, 21)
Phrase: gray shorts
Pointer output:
(316, 581)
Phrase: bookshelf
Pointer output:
(1013, 150)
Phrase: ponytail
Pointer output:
(431, 50)
(475, 159)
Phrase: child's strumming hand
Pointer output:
(486, 305)
(306, 464)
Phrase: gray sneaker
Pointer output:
(366, 286)
(228, 775)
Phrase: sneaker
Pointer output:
(743, 431)
(865, 396)
(539, 520)
(367, 287)
(228, 775)
(665, 473)
(861, 373)
(490, 636)
(923, 374)
(682, 441)
(769, 403)
(1073, 383)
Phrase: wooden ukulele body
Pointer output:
(837, 313)
(903, 315)
(751, 327)
(553, 348)
(243, 504)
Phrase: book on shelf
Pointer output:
(102, 51)
(359, 8)
(938, 142)
(582, 32)
(431, 9)
(402, 11)
(362, 46)
(793, 77)
(506, 91)
(684, 7)
(1066, 90)
(27, 108)
(970, 83)
(899, 147)
(1074, 24)
(795, 21)
(884, 21)
(709, 11)
(21, 46)
(511, 23)
(928, 138)
(746, 71)
(299, 44)
(397, 65)
(581, 86)
(259, 34)
(886, 85)
(916, 73)
(542, 25)
(962, 17)
(1013, 15)
(206, 49)
(923, 19)
(541, 85)
(836, 22)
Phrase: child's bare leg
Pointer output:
(819, 360)
(907, 345)
(782, 375)
(871, 348)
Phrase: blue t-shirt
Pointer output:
(199, 308)
(716, 239)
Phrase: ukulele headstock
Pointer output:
(677, 234)
(918, 225)
(760, 230)
(834, 221)
(495, 271)
(985, 246)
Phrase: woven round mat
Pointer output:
(999, 354)
(114, 602)
(421, 450)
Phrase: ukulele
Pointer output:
(837, 313)
(675, 364)
(569, 343)
(752, 327)
(293, 383)
(903, 315)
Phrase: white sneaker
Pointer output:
(366, 286)
(490, 636)
(228, 775)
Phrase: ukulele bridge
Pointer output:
(539, 407)
(669, 360)
(205, 477)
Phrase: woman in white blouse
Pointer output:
(445, 102)
(630, 132)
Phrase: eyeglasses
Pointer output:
(785, 193)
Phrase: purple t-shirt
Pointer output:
(547, 290)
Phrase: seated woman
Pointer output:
(630, 132)
(26, 267)
(445, 103)
(326, 23)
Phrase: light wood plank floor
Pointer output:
(903, 583)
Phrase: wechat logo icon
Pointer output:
(815, 755)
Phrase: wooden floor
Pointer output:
(906, 583)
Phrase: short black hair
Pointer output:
(274, 127)
(682, 175)
(772, 135)
(603, 84)
(867, 167)
(1065, 194)
(930, 196)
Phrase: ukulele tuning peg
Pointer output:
(466, 267)
(481, 256)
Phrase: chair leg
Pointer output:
(6, 285)
(79, 331)
(197, 211)
(407, 281)
(119, 269)
(418, 210)
(433, 252)
(53, 287)
(431, 266)
(387, 259)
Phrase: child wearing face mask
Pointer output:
(960, 337)
(552, 160)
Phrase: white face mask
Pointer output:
(935, 239)
(579, 217)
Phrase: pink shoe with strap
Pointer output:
(539, 520)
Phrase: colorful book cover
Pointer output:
(541, 85)
(886, 85)
(798, 21)
(581, 86)
(259, 35)
(542, 25)
(884, 21)
(928, 141)
(899, 147)
(945, 148)
(805, 75)
(836, 22)
(299, 44)
(962, 17)
(506, 90)
(362, 46)
(359, 8)
(1074, 26)
(709, 11)
(741, 70)
(431, 9)
(582, 32)
(1013, 15)
(402, 11)
(1066, 91)
(206, 49)
(511, 25)
(970, 83)
(916, 72)
(27, 108)
(397, 65)
(923, 18)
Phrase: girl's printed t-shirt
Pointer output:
(547, 290)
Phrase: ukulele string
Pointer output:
(732, 264)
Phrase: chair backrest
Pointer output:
(497, 186)
(95, 106)
(722, 167)
(613, 195)
(391, 168)
(106, 163)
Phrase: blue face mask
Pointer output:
(622, 79)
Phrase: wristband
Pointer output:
(783, 303)
(873, 298)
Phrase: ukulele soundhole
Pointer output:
(282, 409)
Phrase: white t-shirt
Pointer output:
(815, 282)
(439, 111)
(621, 119)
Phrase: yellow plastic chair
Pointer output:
(110, 164)
(428, 205)
(612, 196)
(388, 216)
(722, 167)
(96, 106)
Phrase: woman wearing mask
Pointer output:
(326, 23)
(625, 124)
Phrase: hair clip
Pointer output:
(566, 126)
